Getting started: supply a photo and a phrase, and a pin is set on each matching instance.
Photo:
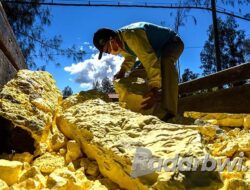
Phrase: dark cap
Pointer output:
(100, 38)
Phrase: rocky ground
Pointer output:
(87, 142)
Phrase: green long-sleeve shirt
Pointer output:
(145, 41)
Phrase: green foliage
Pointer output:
(29, 22)
(181, 15)
(188, 75)
(67, 91)
(96, 85)
(247, 49)
(231, 42)
(107, 86)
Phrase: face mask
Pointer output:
(113, 51)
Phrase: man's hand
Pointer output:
(119, 75)
(153, 96)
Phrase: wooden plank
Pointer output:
(8, 43)
(7, 71)
(237, 73)
(233, 100)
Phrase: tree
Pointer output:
(247, 49)
(107, 86)
(41, 68)
(96, 85)
(182, 14)
(231, 41)
(67, 91)
(28, 22)
(188, 75)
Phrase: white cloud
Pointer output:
(86, 86)
(92, 48)
(75, 68)
(88, 47)
(93, 69)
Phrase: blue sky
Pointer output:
(76, 25)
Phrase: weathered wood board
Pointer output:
(11, 57)
(233, 100)
(7, 71)
(237, 73)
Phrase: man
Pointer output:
(157, 47)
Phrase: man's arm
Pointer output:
(138, 42)
(127, 64)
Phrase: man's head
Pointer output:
(105, 40)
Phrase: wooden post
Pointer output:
(216, 36)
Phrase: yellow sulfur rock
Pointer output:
(206, 130)
(67, 180)
(30, 101)
(233, 144)
(109, 184)
(31, 179)
(224, 148)
(131, 91)
(97, 185)
(221, 119)
(73, 151)
(3, 185)
(232, 175)
(110, 134)
(82, 97)
(235, 184)
(56, 139)
(230, 143)
(92, 169)
(10, 171)
(247, 122)
(234, 122)
(48, 162)
(27, 184)
(57, 183)
(62, 151)
(247, 173)
(71, 167)
(35, 174)
(244, 142)
(26, 166)
(23, 157)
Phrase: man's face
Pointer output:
(111, 47)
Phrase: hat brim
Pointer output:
(100, 55)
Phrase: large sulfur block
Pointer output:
(28, 104)
(111, 135)
(131, 91)
(10, 171)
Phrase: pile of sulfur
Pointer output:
(86, 142)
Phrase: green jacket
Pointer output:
(145, 41)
